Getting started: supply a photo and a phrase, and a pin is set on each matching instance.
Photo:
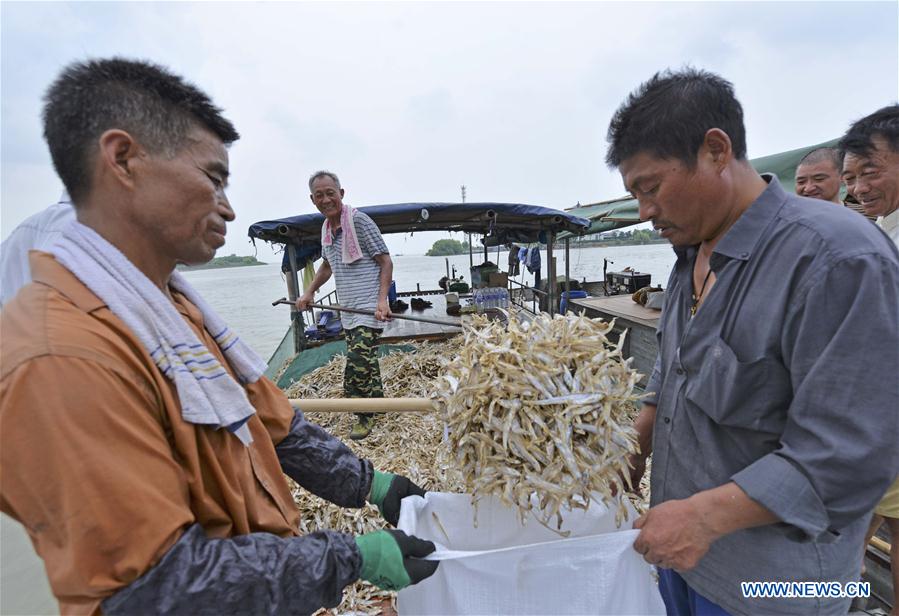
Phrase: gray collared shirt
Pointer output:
(785, 382)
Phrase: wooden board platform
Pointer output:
(401, 329)
(618, 306)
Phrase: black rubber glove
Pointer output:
(391, 559)
(387, 490)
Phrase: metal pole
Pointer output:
(567, 272)
(296, 317)
(470, 253)
(551, 274)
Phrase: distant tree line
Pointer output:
(445, 248)
(231, 260)
(624, 238)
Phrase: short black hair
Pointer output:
(884, 123)
(669, 115)
(819, 155)
(154, 105)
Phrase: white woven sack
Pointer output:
(502, 567)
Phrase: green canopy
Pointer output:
(623, 211)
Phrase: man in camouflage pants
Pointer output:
(362, 272)
(362, 376)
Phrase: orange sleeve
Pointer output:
(88, 470)
(272, 408)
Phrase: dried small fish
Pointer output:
(541, 412)
(496, 411)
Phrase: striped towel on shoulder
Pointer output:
(207, 392)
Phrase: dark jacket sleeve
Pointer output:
(257, 573)
(322, 464)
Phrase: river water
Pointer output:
(243, 295)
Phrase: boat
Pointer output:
(496, 223)
(499, 224)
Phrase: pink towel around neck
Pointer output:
(350, 250)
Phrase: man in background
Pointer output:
(356, 254)
(871, 170)
(871, 166)
(818, 177)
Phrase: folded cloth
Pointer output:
(349, 250)
(208, 394)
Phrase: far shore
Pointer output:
(221, 262)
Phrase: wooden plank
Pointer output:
(618, 306)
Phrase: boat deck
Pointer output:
(401, 329)
(619, 306)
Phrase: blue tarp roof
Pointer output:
(513, 219)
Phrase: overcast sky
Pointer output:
(408, 101)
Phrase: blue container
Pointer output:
(391, 293)
(566, 295)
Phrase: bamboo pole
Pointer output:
(880, 544)
(364, 405)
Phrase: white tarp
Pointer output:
(502, 567)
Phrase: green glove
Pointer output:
(391, 559)
(387, 490)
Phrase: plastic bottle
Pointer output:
(479, 300)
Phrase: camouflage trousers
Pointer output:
(362, 376)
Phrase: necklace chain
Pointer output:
(698, 298)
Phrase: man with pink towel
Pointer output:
(354, 251)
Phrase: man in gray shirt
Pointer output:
(772, 390)
(354, 251)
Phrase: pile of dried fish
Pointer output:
(405, 443)
(541, 409)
